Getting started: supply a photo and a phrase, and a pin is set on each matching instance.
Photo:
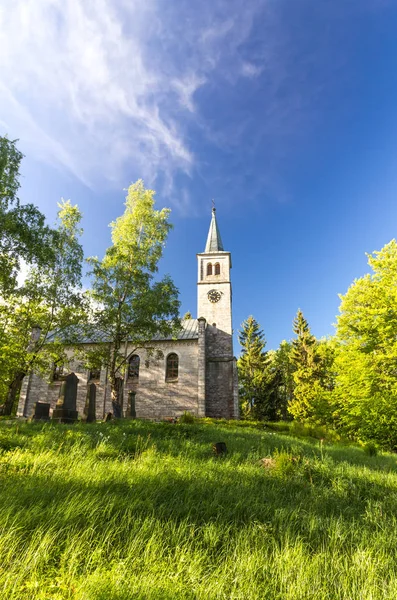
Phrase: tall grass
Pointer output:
(135, 510)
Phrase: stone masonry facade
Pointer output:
(206, 382)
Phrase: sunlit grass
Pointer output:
(145, 510)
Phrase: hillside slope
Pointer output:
(144, 510)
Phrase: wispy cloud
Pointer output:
(108, 89)
(98, 86)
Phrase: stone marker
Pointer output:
(41, 411)
(91, 410)
(65, 410)
(219, 448)
(131, 404)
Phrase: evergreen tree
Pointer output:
(252, 369)
(306, 376)
(281, 379)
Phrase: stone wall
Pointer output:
(155, 398)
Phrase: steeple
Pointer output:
(214, 240)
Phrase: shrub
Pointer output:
(285, 463)
(370, 449)
(187, 417)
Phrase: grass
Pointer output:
(138, 510)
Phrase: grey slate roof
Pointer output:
(214, 240)
(189, 331)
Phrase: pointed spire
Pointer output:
(214, 240)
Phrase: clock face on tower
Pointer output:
(214, 296)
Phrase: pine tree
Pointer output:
(303, 346)
(308, 390)
(252, 368)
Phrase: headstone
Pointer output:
(65, 410)
(219, 449)
(91, 411)
(41, 411)
(131, 404)
(118, 406)
(117, 411)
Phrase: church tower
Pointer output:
(214, 304)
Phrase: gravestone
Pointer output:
(118, 408)
(219, 449)
(65, 410)
(91, 410)
(131, 404)
(41, 411)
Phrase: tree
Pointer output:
(366, 360)
(281, 375)
(252, 369)
(306, 376)
(129, 307)
(49, 301)
(23, 233)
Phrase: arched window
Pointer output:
(171, 371)
(133, 367)
(217, 269)
(209, 269)
(95, 374)
(57, 372)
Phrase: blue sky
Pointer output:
(283, 111)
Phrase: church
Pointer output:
(197, 371)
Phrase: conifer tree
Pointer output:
(252, 368)
(307, 374)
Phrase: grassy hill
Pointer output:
(144, 510)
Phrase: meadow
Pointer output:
(138, 510)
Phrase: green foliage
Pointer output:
(186, 417)
(313, 375)
(252, 366)
(365, 394)
(50, 300)
(128, 307)
(280, 379)
(23, 233)
(187, 315)
(133, 509)
(370, 449)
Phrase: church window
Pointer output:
(209, 269)
(172, 364)
(57, 372)
(95, 374)
(217, 269)
(133, 367)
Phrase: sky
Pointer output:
(282, 111)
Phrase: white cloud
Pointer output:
(102, 87)
(78, 88)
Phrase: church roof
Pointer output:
(76, 334)
(189, 331)
(214, 240)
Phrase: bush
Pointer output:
(370, 449)
(187, 418)
(285, 463)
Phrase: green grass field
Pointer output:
(133, 509)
